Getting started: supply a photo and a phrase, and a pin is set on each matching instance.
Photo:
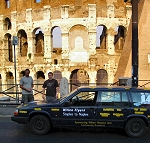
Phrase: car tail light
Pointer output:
(16, 112)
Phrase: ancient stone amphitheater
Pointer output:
(86, 41)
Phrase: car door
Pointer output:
(113, 108)
(81, 110)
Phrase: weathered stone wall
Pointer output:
(78, 20)
(125, 64)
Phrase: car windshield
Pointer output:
(64, 97)
(141, 99)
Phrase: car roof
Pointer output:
(96, 88)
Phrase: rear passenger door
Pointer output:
(113, 108)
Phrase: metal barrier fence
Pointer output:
(13, 92)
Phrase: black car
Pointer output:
(99, 107)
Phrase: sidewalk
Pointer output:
(7, 110)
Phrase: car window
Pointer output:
(64, 97)
(141, 99)
(114, 98)
(87, 98)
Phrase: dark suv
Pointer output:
(99, 107)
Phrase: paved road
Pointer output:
(7, 110)
(11, 132)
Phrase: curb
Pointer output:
(7, 110)
(3, 116)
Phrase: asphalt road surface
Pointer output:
(11, 132)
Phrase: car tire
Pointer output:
(39, 125)
(135, 127)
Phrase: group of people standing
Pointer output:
(51, 87)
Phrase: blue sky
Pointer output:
(38, 0)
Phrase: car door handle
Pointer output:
(125, 109)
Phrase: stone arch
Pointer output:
(101, 35)
(57, 75)
(39, 79)
(40, 75)
(102, 77)
(23, 43)
(78, 31)
(56, 37)
(119, 38)
(38, 35)
(78, 77)
(10, 81)
(7, 24)
(8, 45)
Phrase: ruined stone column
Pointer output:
(13, 21)
(92, 43)
(31, 46)
(47, 36)
(30, 38)
(92, 31)
(110, 41)
(47, 47)
(65, 45)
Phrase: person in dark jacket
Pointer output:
(51, 86)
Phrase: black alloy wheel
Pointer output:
(135, 127)
(40, 124)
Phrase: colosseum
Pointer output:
(86, 41)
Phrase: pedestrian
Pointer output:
(64, 87)
(51, 86)
(26, 84)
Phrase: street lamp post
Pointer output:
(134, 42)
(15, 42)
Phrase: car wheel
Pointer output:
(39, 124)
(135, 127)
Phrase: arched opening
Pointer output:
(10, 81)
(101, 37)
(102, 77)
(7, 3)
(78, 78)
(57, 75)
(8, 46)
(74, 83)
(56, 37)
(78, 36)
(7, 24)
(119, 38)
(38, 82)
(37, 1)
(39, 41)
(23, 44)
